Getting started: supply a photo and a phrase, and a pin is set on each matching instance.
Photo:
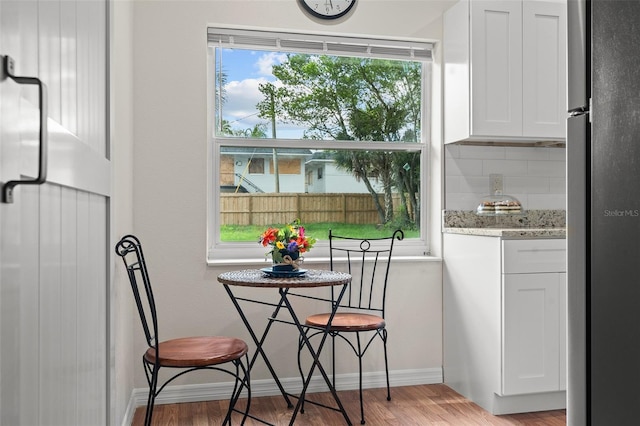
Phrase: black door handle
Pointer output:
(7, 188)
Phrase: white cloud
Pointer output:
(266, 62)
(242, 97)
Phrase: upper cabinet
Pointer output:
(505, 71)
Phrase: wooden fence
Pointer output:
(269, 209)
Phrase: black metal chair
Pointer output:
(362, 309)
(186, 353)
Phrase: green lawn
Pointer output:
(319, 231)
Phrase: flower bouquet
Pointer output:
(287, 244)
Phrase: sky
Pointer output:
(246, 70)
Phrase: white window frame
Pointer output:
(249, 253)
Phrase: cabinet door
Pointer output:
(544, 60)
(531, 332)
(496, 55)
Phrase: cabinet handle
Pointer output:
(7, 188)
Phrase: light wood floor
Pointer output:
(410, 405)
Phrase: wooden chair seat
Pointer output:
(197, 351)
(347, 321)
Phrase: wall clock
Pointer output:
(327, 9)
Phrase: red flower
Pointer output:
(269, 236)
(303, 244)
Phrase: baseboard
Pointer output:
(216, 391)
(130, 411)
(529, 402)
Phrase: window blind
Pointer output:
(321, 44)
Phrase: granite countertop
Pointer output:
(531, 224)
(510, 233)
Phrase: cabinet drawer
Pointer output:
(530, 256)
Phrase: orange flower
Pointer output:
(269, 236)
(303, 244)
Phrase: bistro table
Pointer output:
(310, 279)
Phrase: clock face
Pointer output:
(328, 9)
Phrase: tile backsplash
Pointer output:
(535, 176)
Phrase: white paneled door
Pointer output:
(54, 237)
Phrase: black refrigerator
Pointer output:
(603, 212)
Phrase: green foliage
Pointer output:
(257, 131)
(401, 221)
(347, 98)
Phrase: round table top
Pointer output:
(258, 278)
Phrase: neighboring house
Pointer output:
(324, 176)
(252, 169)
(299, 170)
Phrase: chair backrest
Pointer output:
(130, 249)
(368, 261)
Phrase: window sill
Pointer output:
(261, 263)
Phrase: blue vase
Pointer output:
(282, 267)
(293, 254)
(285, 267)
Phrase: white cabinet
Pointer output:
(504, 71)
(505, 321)
(534, 331)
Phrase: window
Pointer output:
(256, 166)
(286, 108)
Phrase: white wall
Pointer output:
(125, 360)
(535, 176)
(170, 170)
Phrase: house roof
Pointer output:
(321, 157)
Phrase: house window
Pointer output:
(354, 110)
(256, 166)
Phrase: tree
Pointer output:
(259, 130)
(220, 95)
(344, 98)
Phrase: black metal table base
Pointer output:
(315, 353)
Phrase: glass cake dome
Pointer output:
(498, 204)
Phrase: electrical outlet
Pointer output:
(496, 184)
